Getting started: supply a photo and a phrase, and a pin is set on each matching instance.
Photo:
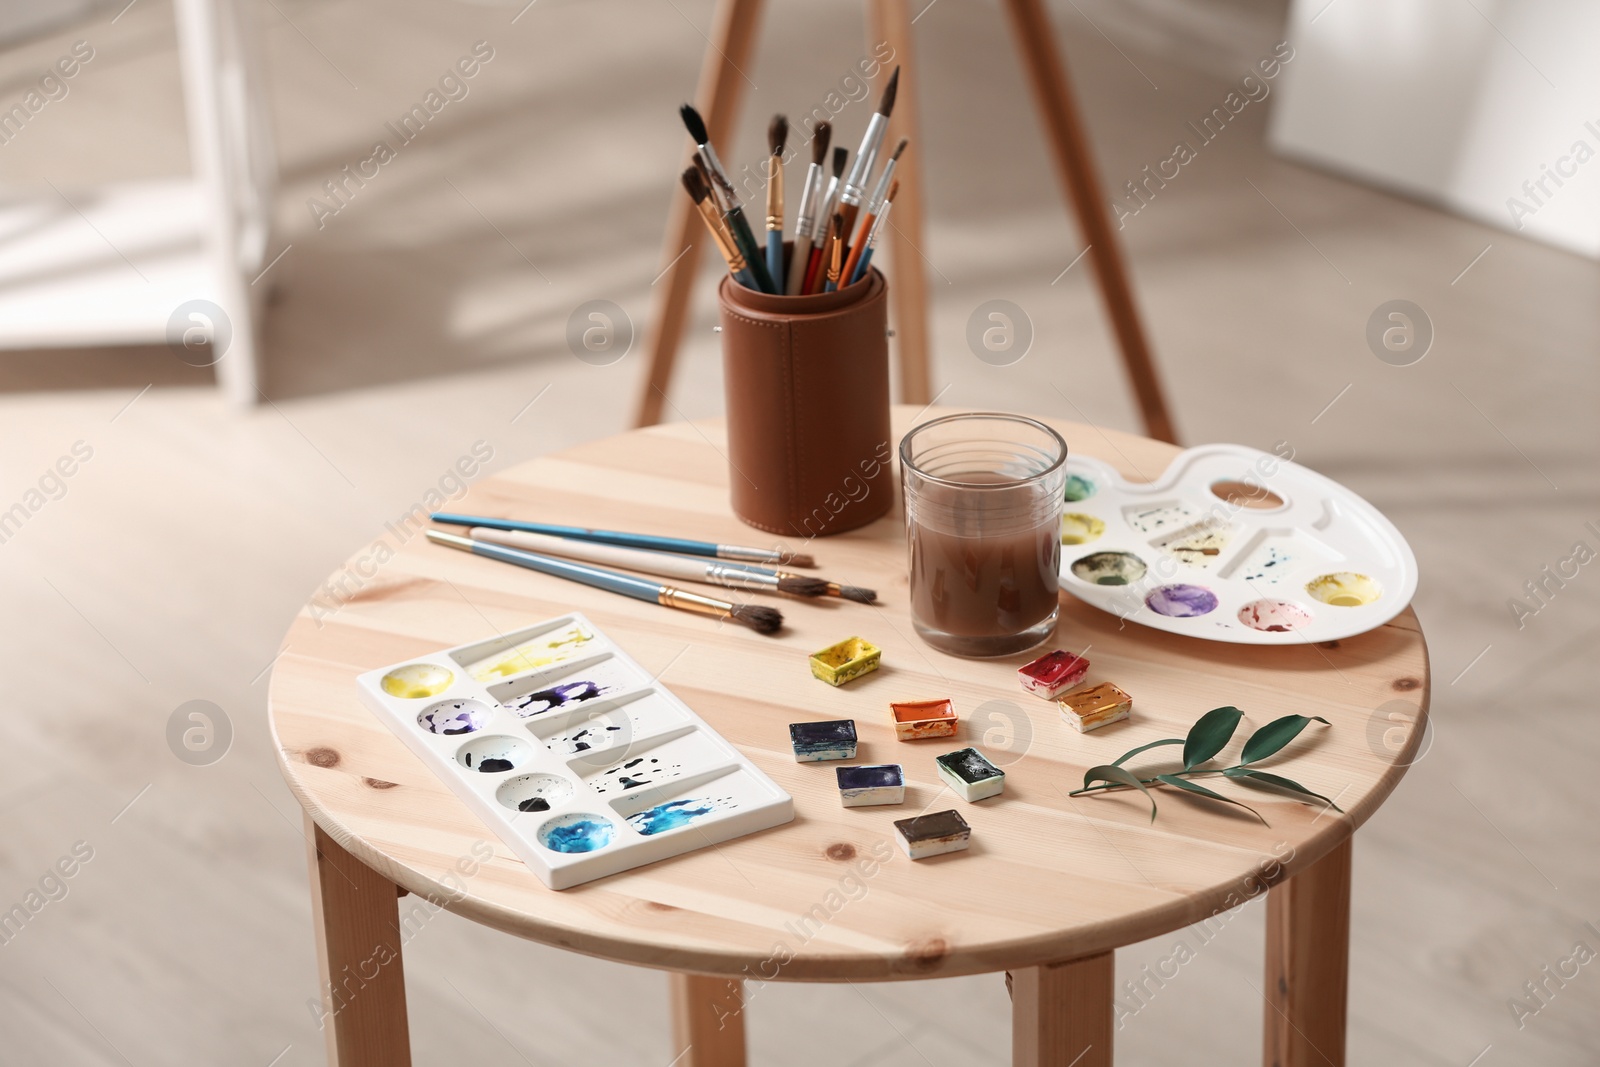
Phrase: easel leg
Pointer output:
(1053, 93)
(890, 21)
(722, 81)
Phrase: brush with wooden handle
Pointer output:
(759, 617)
(667, 565)
(805, 219)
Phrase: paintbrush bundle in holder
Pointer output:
(805, 328)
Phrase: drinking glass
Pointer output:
(983, 500)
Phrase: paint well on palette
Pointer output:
(1182, 601)
(639, 771)
(1274, 616)
(1078, 488)
(417, 680)
(576, 833)
(577, 687)
(1345, 589)
(534, 792)
(451, 717)
(494, 755)
(1109, 568)
(1079, 529)
(548, 649)
(675, 814)
(1159, 518)
(1199, 545)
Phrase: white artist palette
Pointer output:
(1233, 544)
(571, 753)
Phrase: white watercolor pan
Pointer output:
(1233, 544)
(584, 765)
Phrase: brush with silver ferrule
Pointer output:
(805, 218)
(777, 139)
(681, 545)
(869, 221)
(867, 155)
(758, 617)
(670, 565)
(819, 246)
(726, 196)
(877, 220)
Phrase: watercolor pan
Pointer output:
(1053, 674)
(845, 661)
(1233, 544)
(570, 753)
(915, 719)
(866, 786)
(933, 834)
(1095, 706)
(970, 774)
(816, 741)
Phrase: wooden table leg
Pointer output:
(1308, 957)
(1061, 1013)
(890, 20)
(707, 1021)
(357, 917)
(722, 82)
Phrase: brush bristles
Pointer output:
(759, 617)
(854, 592)
(778, 134)
(894, 187)
(696, 125)
(886, 105)
(839, 157)
(901, 147)
(695, 183)
(820, 139)
(797, 559)
(802, 585)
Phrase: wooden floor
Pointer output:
(429, 314)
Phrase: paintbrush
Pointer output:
(665, 564)
(867, 155)
(824, 218)
(682, 546)
(727, 198)
(758, 617)
(777, 137)
(875, 204)
(872, 235)
(694, 182)
(805, 219)
(671, 565)
(835, 252)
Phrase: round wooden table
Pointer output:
(1050, 887)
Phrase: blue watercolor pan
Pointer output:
(877, 783)
(815, 741)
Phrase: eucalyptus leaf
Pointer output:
(1120, 776)
(1275, 735)
(1210, 735)
(1195, 787)
(1126, 756)
(1249, 775)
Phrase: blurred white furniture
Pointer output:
(1484, 107)
(114, 264)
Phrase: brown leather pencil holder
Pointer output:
(807, 381)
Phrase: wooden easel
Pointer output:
(718, 95)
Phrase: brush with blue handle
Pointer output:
(680, 545)
(777, 136)
(759, 617)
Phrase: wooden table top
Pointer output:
(831, 896)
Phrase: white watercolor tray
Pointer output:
(1253, 540)
(584, 750)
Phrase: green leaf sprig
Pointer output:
(1208, 737)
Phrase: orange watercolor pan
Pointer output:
(924, 718)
